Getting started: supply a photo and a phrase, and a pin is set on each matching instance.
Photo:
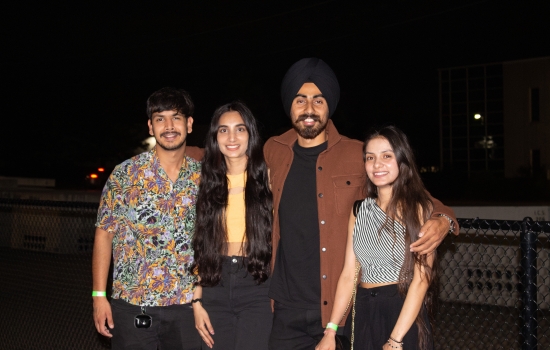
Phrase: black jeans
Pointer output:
(238, 308)
(173, 327)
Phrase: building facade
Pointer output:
(495, 118)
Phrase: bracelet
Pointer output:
(332, 326)
(198, 300)
(96, 293)
(451, 222)
(399, 343)
(395, 347)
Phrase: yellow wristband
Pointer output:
(96, 293)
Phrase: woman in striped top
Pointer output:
(396, 291)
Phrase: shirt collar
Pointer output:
(158, 170)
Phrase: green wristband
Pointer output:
(332, 326)
(96, 293)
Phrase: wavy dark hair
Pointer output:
(210, 239)
(409, 199)
(167, 99)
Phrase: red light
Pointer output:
(100, 170)
(93, 176)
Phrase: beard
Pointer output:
(171, 147)
(310, 132)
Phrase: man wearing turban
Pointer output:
(316, 175)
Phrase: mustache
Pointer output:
(303, 117)
(170, 132)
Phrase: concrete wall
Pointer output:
(537, 213)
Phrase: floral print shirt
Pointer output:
(152, 220)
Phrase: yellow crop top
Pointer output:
(235, 211)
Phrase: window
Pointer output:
(535, 104)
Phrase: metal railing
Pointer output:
(494, 281)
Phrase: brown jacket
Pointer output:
(341, 180)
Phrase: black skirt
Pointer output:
(376, 312)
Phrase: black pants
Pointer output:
(239, 309)
(297, 329)
(376, 312)
(173, 327)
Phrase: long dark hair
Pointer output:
(409, 199)
(210, 239)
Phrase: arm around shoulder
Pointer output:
(196, 153)
(441, 209)
(434, 230)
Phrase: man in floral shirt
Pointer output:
(146, 220)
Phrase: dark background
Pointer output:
(76, 74)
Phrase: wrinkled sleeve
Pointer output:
(111, 204)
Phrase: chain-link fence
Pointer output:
(45, 269)
(495, 286)
(494, 281)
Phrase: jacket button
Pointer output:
(322, 222)
(324, 277)
(324, 249)
(348, 183)
(325, 302)
(320, 168)
(321, 195)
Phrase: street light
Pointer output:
(480, 119)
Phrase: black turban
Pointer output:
(310, 70)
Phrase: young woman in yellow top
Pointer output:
(232, 240)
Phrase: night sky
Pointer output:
(76, 74)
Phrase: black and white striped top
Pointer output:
(381, 256)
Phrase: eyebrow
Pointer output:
(388, 150)
(158, 114)
(226, 126)
(314, 96)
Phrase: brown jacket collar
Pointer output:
(290, 137)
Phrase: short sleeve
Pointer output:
(111, 205)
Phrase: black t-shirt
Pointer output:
(295, 281)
